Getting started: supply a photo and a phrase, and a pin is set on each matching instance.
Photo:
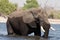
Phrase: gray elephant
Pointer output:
(28, 21)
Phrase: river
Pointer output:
(53, 35)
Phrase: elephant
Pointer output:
(28, 21)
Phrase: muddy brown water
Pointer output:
(53, 35)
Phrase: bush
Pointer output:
(6, 7)
(30, 4)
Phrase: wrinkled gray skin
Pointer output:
(17, 22)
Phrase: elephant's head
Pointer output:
(37, 13)
(43, 17)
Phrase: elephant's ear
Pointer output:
(28, 17)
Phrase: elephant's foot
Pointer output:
(45, 36)
(37, 33)
(11, 34)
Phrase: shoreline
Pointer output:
(52, 21)
(3, 20)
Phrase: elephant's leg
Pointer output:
(9, 28)
(46, 27)
(23, 28)
(38, 29)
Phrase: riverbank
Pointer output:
(52, 21)
(2, 19)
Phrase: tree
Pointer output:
(30, 4)
(6, 7)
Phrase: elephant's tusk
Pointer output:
(42, 29)
(52, 28)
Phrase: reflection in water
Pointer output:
(53, 35)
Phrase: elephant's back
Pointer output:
(16, 14)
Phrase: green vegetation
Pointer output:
(30, 4)
(6, 7)
(51, 16)
(55, 14)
